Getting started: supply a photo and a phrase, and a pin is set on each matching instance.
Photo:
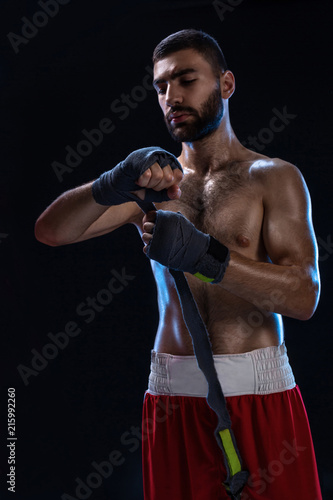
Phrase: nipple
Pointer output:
(243, 241)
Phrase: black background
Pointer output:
(74, 411)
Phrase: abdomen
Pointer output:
(234, 325)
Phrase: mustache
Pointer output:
(174, 109)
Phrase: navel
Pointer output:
(242, 241)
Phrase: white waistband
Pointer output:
(262, 371)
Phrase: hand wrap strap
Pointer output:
(113, 187)
(236, 477)
(178, 231)
(177, 244)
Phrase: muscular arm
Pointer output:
(75, 216)
(289, 284)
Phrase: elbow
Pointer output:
(305, 314)
(309, 302)
(44, 234)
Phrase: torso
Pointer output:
(228, 205)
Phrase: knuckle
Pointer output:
(147, 174)
(158, 175)
(168, 175)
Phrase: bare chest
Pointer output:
(227, 205)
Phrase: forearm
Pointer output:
(68, 217)
(288, 290)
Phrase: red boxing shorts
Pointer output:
(181, 458)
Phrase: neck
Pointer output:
(212, 151)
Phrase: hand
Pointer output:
(148, 224)
(173, 241)
(154, 169)
(158, 178)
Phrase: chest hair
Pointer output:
(204, 198)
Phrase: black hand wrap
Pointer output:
(113, 187)
(177, 244)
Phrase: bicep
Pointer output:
(287, 229)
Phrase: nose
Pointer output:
(173, 96)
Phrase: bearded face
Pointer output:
(199, 123)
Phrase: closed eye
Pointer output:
(162, 90)
(187, 82)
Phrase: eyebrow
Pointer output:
(175, 75)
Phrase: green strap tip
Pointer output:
(231, 454)
(203, 278)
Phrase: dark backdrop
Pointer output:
(82, 405)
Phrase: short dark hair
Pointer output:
(200, 41)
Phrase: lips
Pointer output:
(178, 116)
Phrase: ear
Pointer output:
(227, 81)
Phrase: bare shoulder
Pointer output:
(279, 179)
(275, 169)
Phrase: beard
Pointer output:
(203, 122)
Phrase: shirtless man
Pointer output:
(260, 209)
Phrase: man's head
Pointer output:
(199, 41)
(191, 78)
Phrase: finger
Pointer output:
(148, 227)
(157, 176)
(170, 178)
(152, 176)
(149, 217)
(178, 175)
(146, 238)
(168, 174)
(144, 179)
(161, 178)
(174, 192)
